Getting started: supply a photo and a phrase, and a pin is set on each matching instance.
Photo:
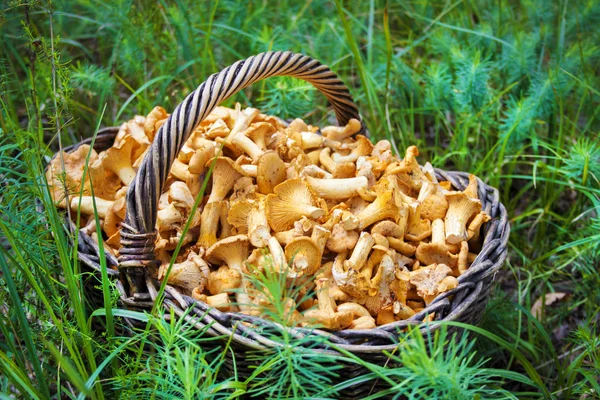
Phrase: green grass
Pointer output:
(505, 89)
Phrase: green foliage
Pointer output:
(505, 89)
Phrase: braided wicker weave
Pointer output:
(465, 303)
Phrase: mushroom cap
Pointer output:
(291, 201)
(73, 173)
(238, 214)
(434, 207)
(186, 275)
(105, 182)
(119, 159)
(435, 253)
(387, 228)
(271, 171)
(114, 217)
(224, 279)
(341, 240)
(461, 208)
(303, 254)
(427, 280)
(232, 250)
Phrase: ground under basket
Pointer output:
(138, 291)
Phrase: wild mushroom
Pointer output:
(118, 160)
(71, 178)
(217, 129)
(428, 281)
(320, 235)
(436, 252)
(362, 147)
(278, 255)
(336, 189)
(362, 317)
(337, 169)
(340, 133)
(310, 140)
(381, 285)
(258, 132)
(114, 216)
(105, 183)
(270, 172)
(377, 253)
(349, 280)
(219, 301)
(417, 229)
(328, 313)
(461, 208)
(463, 258)
(224, 176)
(402, 311)
(290, 201)
(186, 275)
(242, 119)
(247, 145)
(86, 205)
(382, 208)
(209, 224)
(433, 206)
(303, 255)
(169, 218)
(315, 172)
(395, 234)
(364, 167)
(410, 166)
(233, 251)
(249, 216)
(475, 226)
(201, 156)
(341, 240)
(360, 253)
(223, 280)
(226, 227)
(157, 114)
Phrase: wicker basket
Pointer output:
(465, 303)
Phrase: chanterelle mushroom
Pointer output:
(461, 208)
(437, 251)
(337, 189)
(340, 133)
(428, 281)
(303, 255)
(118, 160)
(270, 172)
(224, 176)
(327, 314)
(233, 251)
(72, 176)
(290, 201)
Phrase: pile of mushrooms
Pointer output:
(368, 238)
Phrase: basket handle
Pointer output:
(137, 231)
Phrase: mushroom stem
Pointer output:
(335, 189)
(245, 143)
(259, 232)
(383, 207)
(278, 254)
(338, 169)
(86, 205)
(250, 170)
(209, 223)
(360, 252)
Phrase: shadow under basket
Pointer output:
(247, 334)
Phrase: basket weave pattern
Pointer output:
(465, 303)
